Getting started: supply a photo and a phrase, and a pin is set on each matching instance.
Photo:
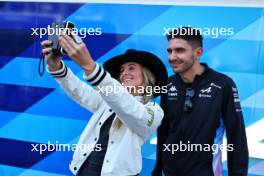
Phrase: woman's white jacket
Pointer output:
(123, 155)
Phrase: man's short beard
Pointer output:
(187, 66)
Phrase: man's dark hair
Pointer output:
(191, 35)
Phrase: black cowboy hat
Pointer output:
(147, 59)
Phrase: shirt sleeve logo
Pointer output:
(236, 99)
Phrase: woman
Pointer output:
(123, 120)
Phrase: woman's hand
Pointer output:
(52, 60)
(78, 52)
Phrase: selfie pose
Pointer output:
(123, 119)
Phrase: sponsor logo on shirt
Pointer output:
(172, 92)
(208, 90)
(205, 93)
(215, 85)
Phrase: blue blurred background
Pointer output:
(34, 110)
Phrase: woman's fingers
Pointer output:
(67, 46)
(77, 52)
(46, 43)
(46, 51)
(53, 61)
(73, 49)
(71, 41)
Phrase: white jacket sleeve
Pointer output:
(76, 89)
(140, 118)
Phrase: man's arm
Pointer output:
(235, 131)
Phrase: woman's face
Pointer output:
(131, 74)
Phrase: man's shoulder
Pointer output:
(221, 77)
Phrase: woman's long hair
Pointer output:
(149, 80)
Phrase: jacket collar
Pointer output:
(197, 77)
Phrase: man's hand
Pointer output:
(78, 53)
(52, 60)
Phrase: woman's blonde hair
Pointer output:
(149, 80)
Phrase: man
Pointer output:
(199, 102)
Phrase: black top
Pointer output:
(215, 97)
(95, 160)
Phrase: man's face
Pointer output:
(180, 55)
